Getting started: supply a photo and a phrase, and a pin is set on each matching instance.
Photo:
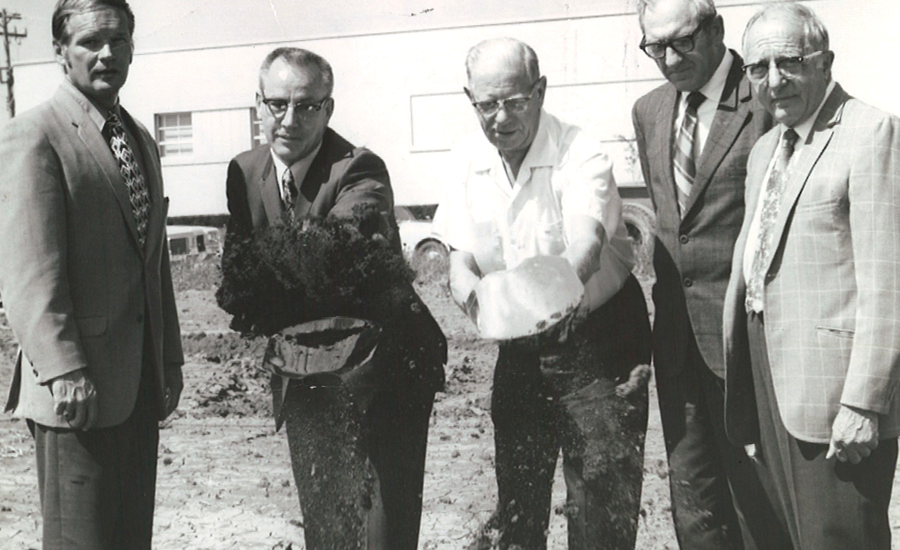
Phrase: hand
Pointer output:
(75, 398)
(854, 435)
(174, 385)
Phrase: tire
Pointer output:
(641, 225)
(430, 259)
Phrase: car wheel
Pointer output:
(641, 223)
(430, 259)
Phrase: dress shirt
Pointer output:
(706, 112)
(803, 130)
(298, 169)
(564, 174)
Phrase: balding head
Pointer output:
(508, 51)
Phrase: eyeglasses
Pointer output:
(682, 44)
(513, 105)
(787, 66)
(303, 110)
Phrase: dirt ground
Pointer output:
(224, 474)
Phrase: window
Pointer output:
(257, 136)
(175, 134)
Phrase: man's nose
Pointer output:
(502, 114)
(672, 57)
(106, 51)
(775, 77)
(290, 118)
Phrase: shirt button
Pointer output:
(688, 282)
(684, 239)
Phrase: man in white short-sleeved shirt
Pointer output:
(532, 185)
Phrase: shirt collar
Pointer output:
(716, 84)
(540, 153)
(93, 112)
(299, 168)
(805, 128)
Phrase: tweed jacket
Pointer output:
(77, 288)
(340, 177)
(832, 298)
(692, 255)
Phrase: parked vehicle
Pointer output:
(193, 240)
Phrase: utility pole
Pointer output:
(6, 73)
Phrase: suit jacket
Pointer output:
(692, 255)
(832, 299)
(340, 177)
(77, 288)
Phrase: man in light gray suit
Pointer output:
(812, 312)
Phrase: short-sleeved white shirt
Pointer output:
(564, 174)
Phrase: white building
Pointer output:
(399, 73)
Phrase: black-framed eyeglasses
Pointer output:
(681, 44)
(303, 110)
(790, 66)
(513, 105)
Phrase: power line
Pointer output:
(6, 73)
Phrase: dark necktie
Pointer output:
(770, 208)
(288, 192)
(131, 173)
(684, 166)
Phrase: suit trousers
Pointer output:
(359, 475)
(826, 504)
(551, 396)
(718, 498)
(98, 487)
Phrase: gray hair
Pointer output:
(815, 35)
(300, 59)
(65, 9)
(511, 48)
(704, 9)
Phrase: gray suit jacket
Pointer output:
(692, 256)
(77, 288)
(832, 290)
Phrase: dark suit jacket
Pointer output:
(413, 350)
(692, 255)
(832, 300)
(77, 288)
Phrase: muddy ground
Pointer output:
(224, 474)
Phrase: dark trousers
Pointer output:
(548, 397)
(827, 505)
(718, 498)
(359, 476)
(98, 487)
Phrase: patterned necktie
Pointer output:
(684, 166)
(131, 173)
(288, 192)
(769, 213)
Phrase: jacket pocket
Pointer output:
(91, 326)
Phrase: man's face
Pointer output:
(671, 19)
(492, 79)
(97, 54)
(791, 99)
(293, 135)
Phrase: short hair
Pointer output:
(301, 59)
(705, 9)
(513, 47)
(67, 8)
(815, 35)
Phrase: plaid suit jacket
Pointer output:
(832, 291)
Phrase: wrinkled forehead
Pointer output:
(772, 38)
(504, 70)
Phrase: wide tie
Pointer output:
(771, 205)
(131, 173)
(288, 192)
(684, 165)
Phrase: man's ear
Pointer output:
(59, 53)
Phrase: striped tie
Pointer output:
(683, 155)
(131, 174)
(769, 213)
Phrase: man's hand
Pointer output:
(75, 398)
(174, 385)
(854, 435)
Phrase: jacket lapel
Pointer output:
(730, 118)
(271, 197)
(818, 140)
(663, 141)
(150, 169)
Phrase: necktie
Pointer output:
(131, 173)
(770, 207)
(288, 192)
(684, 166)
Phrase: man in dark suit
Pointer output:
(87, 289)
(812, 311)
(693, 135)
(307, 169)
